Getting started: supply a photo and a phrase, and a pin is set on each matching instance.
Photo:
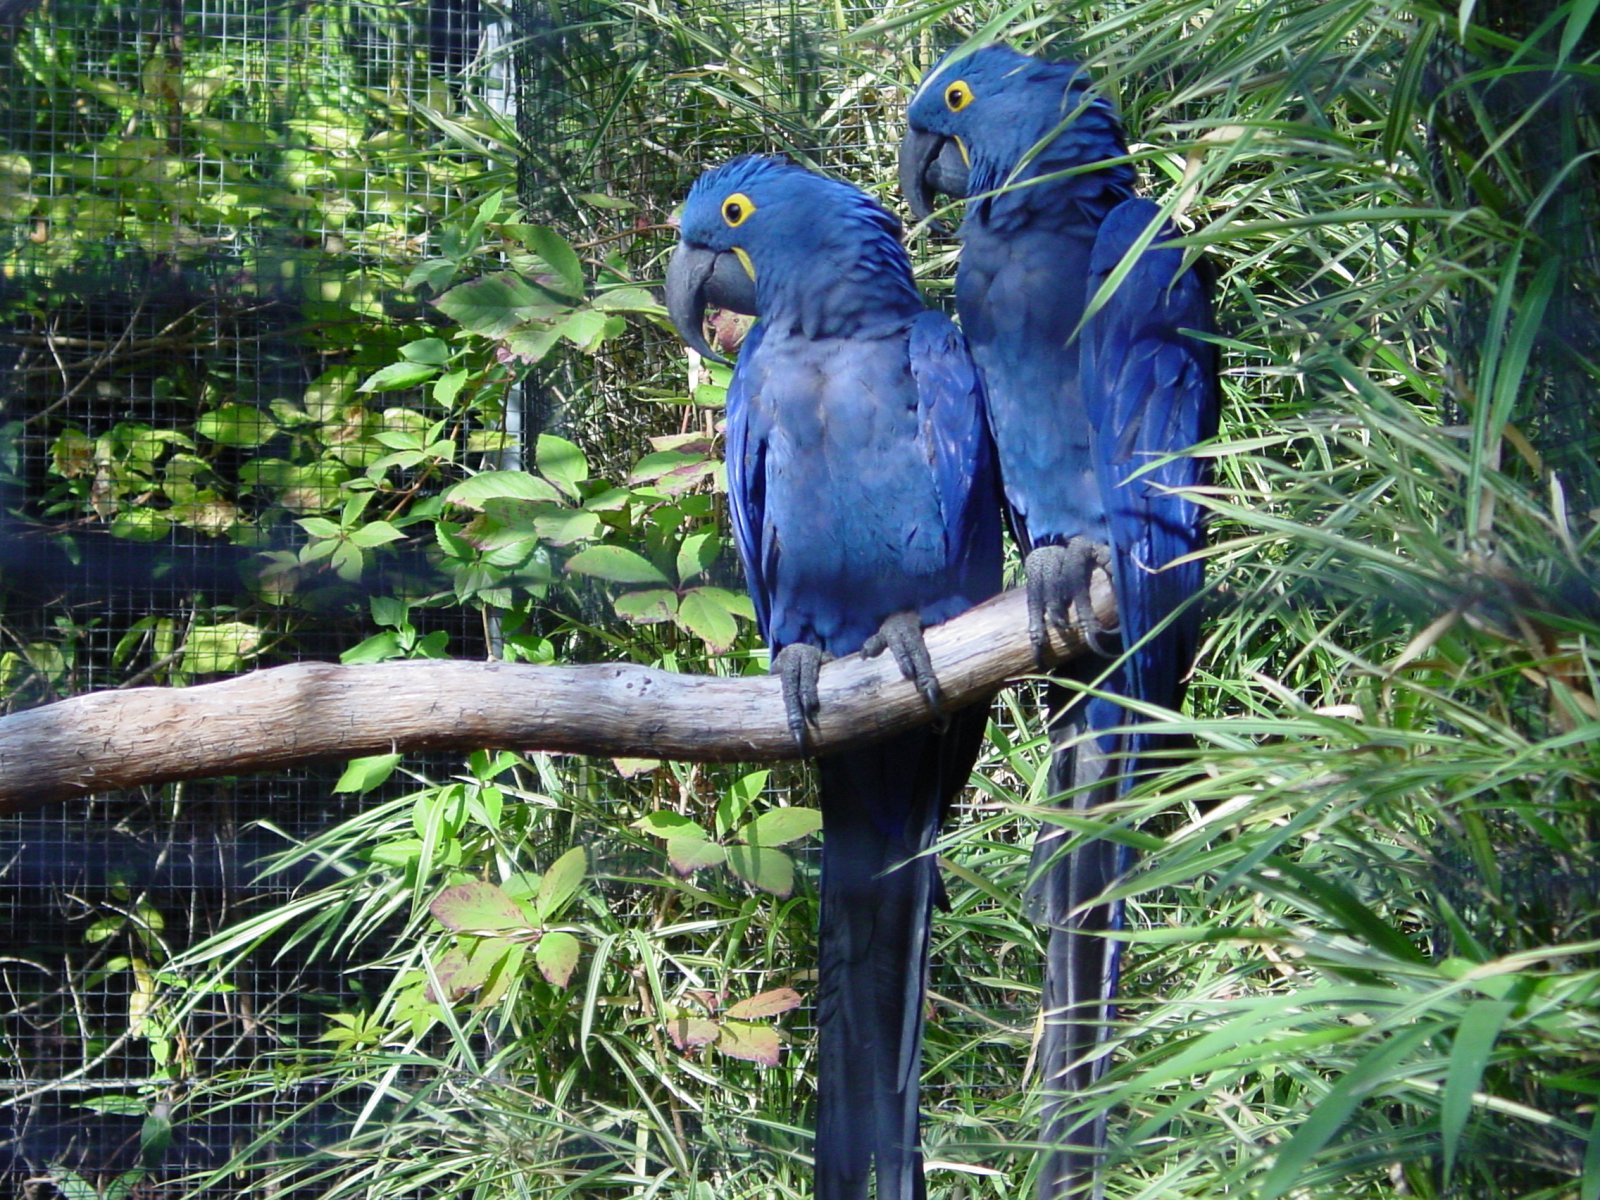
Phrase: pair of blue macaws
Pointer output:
(871, 447)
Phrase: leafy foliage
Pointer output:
(1363, 933)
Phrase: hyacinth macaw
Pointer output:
(1084, 421)
(865, 504)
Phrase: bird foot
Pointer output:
(797, 667)
(901, 635)
(1058, 589)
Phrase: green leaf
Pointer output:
(347, 562)
(769, 870)
(628, 299)
(375, 533)
(559, 256)
(432, 273)
(1579, 17)
(616, 564)
(531, 345)
(708, 620)
(750, 785)
(601, 200)
(765, 1004)
(388, 611)
(380, 647)
(665, 824)
(655, 465)
(364, 774)
(448, 387)
(690, 852)
(458, 976)
(1470, 1052)
(72, 1186)
(698, 551)
(398, 375)
(140, 525)
(565, 526)
(709, 395)
(237, 425)
(690, 1033)
(122, 1106)
(1589, 1188)
(560, 883)
(435, 352)
(222, 647)
(588, 327)
(647, 607)
(752, 1043)
(493, 485)
(780, 826)
(477, 907)
(1330, 1116)
(561, 462)
(738, 603)
(556, 956)
(495, 304)
(319, 527)
(155, 1135)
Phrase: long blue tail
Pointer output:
(1082, 960)
(881, 808)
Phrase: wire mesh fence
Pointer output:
(206, 204)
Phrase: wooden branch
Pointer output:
(280, 716)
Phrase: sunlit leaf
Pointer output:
(769, 870)
(780, 826)
(765, 1004)
(617, 564)
(560, 882)
(556, 956)
(753, 1043)
(364, 774)
(690, 1033)
(477, 906)
(237, 425)
(689, 852)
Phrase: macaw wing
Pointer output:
(1151, 392)
(746, 435)
(954, 430)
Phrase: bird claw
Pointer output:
(901, 635)
(1058, 590)
(797, 666)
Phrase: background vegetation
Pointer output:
(1363, 944)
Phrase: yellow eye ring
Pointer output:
(736, 209)
(957, 96)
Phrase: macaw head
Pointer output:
(762, 235)
(977, 117)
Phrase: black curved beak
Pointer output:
(930, 163)
(698, 277)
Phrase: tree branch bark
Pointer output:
(281, 716)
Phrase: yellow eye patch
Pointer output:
(957, 96)
(736, 209)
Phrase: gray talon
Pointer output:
(901, 635)
(797, 666)
(1058, 589)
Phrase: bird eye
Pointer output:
(957, 96)
(736, 209)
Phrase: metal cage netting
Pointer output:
(212, 218)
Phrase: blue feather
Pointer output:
(1089, 422)
(862, 484)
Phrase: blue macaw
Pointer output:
(1085, 423)
(865, 504)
